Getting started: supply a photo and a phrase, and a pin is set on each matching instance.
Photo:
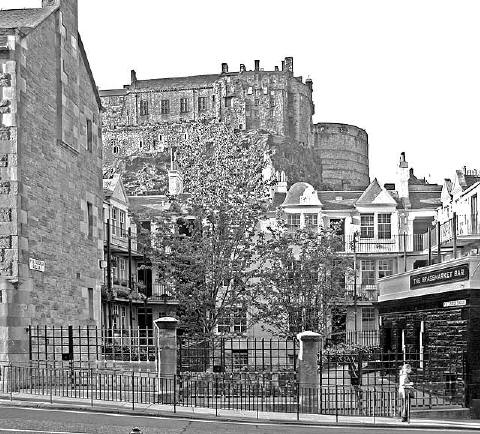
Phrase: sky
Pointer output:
(408, 72)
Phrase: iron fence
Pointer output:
(215, 391)
(222, 354)
(439, 375)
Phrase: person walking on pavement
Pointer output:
(405, 391)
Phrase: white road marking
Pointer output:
(216, 421)
(36, 431)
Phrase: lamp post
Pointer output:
(355, 234)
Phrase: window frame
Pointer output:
(367, 274)
(384, 228)
(289, 220)
(165, 106)
(89, 132)
(308, 223)
(382, 269)
(183, 105)
(143, 107)
(367, 231)
(202, 103)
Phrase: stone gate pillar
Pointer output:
(166, 357)
(308, 375)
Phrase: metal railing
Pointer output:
(259, 392)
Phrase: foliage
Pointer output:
(210, 232)
(301, 281)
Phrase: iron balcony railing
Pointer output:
(399, 243)
(363, 292)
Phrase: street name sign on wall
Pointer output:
(37, 265)
(455, 303)
(439, 277)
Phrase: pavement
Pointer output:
(198, 413)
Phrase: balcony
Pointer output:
(164, 293)
(365, 293)
(393, 244)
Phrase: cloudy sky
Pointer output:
(408, 71)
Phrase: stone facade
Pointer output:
(275, 101)
(343, 151)
(51, 176)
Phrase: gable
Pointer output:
(384, 198)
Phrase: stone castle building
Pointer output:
(277, 102)
(50, 176)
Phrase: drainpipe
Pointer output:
(429, 246)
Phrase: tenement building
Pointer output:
(431, 315)
(382, 229)
(50, 176)
(141, 118)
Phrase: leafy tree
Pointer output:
(301, 281)
(206, 244)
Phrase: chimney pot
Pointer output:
(133, 76)
(224, 68)
(257, 65)
(276, 68)
(242, 67)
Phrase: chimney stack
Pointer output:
(242, 67)
(50, 3)
(289, 64)
(281, 185)
(309, 84)
(224, 68)
(257, 65)
(403, 177)
(276, 68)
(133, 76)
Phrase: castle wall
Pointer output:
(343, 152)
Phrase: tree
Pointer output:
(301, 281)
(206, 244)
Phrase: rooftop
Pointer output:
(22, 18)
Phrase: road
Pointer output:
(28, 420)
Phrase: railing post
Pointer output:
(429, 246)
(439, 243)
(133, 390)
(454, 230)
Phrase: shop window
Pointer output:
(384, 226)
(368, 318)
(367, 226)
(367, 268)
(385, 268)
(293, 221)
(311, 220)
(183, 105)
(165, 107)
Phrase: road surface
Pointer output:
(31, 421)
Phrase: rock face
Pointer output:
(275, 102)
(50, 176)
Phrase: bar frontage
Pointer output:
(432, 317)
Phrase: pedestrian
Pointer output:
(405, 391)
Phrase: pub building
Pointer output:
(431, 317)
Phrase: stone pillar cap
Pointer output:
(308, 335)
(166, 322)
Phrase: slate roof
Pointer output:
(23, 18)
(109, 185)
(177, 82)
(295, 192)
(425, 199)
(466, 180)
(113, 92)
(339, 200)
(369, 195)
